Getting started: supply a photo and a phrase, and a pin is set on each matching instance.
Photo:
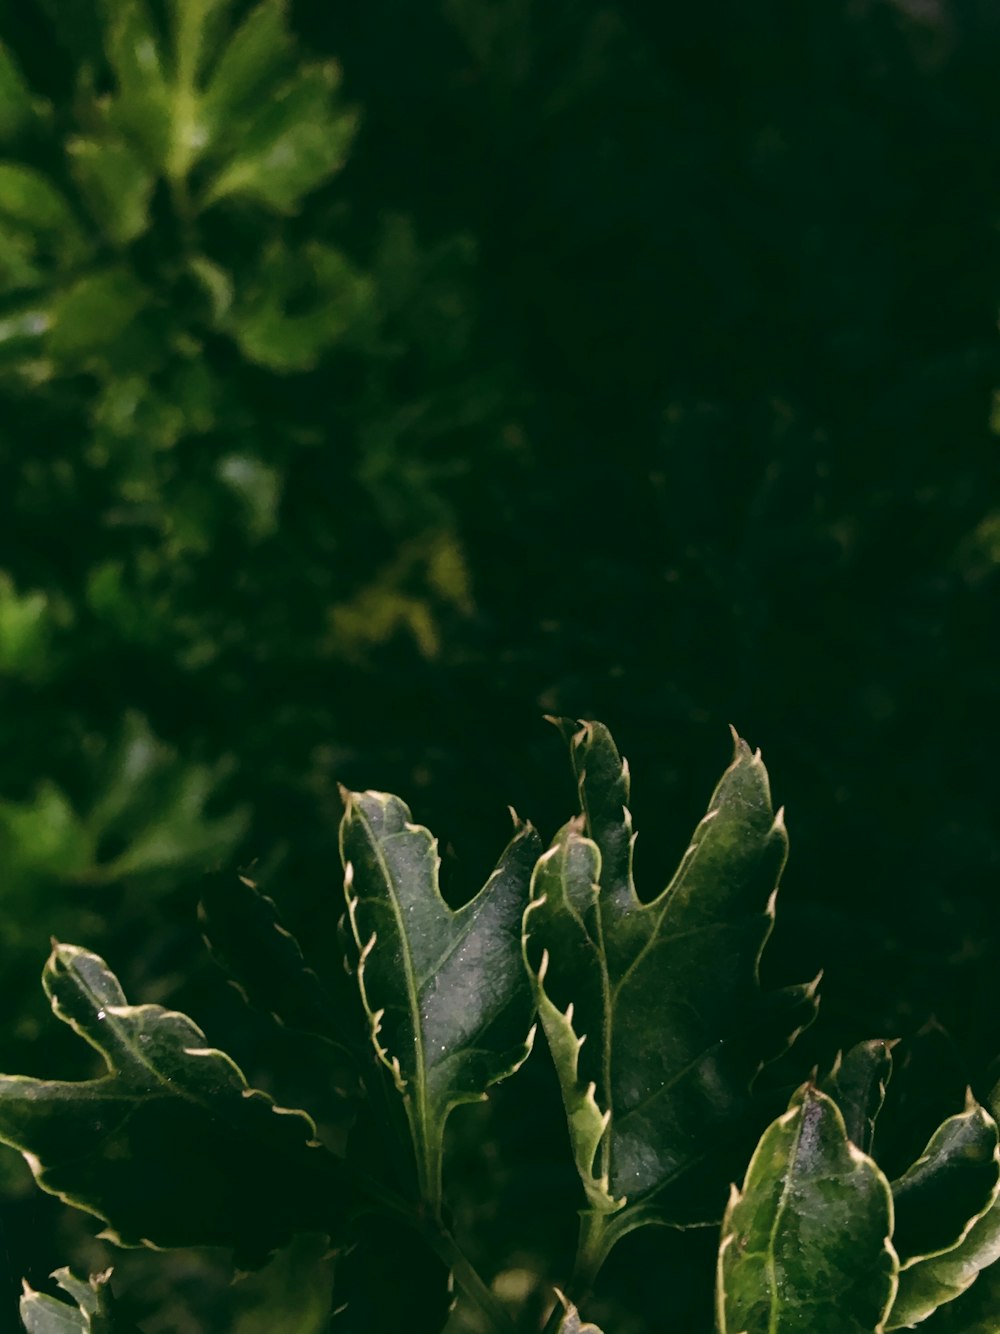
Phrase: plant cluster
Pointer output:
(658, 1029)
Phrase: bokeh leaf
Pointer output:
(805, 1245)
(169, 1145)
(447, 1000)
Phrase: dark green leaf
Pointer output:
(947, 1215)
(857, 1084)
(245, 933)
(805, 1245)
(170, 1147)
(952, 1183)
(447, 999)
(654, 1012)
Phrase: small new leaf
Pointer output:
(653, 1011)
(448, 1004)
(169, 1146)
(805, 1245)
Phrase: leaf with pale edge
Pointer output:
(571, 1322)
(169, 1146)
(653, 1011)
(805, 1245)
(857, 1084)
(247, 937)
(947, 1218)
(448, 1003)
(41, 1314)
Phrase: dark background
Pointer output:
(656, 387)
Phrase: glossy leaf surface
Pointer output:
(805, 1245)
(171, 1122)
(653, 1011)
(447, 1000)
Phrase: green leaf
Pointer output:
(92, 1314)
(947, 1215)
(29, 199)
(291, 1292)
(857, 1084)
(17, 107)
(805, 1245)
(142, 107)
(116, 184)
(294, 141)
(90, 316)
(297, 304)
(259, 51)
(571, 1322)
(169, 1146)
(953, 1182)
(447, 1001)
(653, 1011)
(246, 935)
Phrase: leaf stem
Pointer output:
(447, 1249)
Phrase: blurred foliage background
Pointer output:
(377, 378)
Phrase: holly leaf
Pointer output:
(947, 1219)
(857, 1084)
(246, 936)
(805, 1244)
(170, 1147)
(448, 1004)
(91, 1313)
(653, 1011)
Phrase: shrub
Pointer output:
(666, 1048)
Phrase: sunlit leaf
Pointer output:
(805, 1244)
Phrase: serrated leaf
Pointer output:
(169, 1146)
(247, 936)
(448, 1004)
(654, 1012)
(948, 1219)
(857, 1084)
(571, 1322)
(92, 1314)
(953, 1182)
(805, 1245)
